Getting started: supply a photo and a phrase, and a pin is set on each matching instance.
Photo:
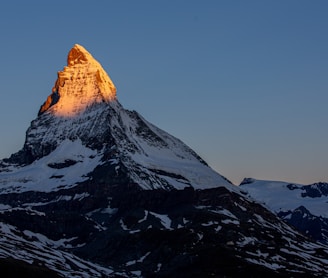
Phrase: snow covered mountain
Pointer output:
(100, 191)
(303, 206)
(82, 125)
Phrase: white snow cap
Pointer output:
(82, 82)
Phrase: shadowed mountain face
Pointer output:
(98, 189)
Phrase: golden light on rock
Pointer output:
(80, 84)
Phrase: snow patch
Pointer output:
(229, 221)
(165, 220)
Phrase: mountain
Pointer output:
(98, 191)
(303, 206)
(82, 125)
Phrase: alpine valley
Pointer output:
(98, 191)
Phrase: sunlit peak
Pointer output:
(81, 83)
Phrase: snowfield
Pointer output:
(50, 173)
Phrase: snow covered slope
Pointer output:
(27, 247)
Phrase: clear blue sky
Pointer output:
(244, 83)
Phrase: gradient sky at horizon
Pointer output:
(243, 83)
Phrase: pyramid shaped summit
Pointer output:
(82, 126)
(82, 82)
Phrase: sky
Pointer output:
(243, 83)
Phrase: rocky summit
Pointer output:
(98, 191)
(81, 83)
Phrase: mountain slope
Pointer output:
(34, 253)
(99, 187)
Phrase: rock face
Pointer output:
(96, 184)
(82, 82)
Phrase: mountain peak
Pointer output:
(81, 83)
(79, 55)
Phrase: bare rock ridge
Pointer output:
(83, 81)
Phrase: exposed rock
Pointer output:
(81, 83)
